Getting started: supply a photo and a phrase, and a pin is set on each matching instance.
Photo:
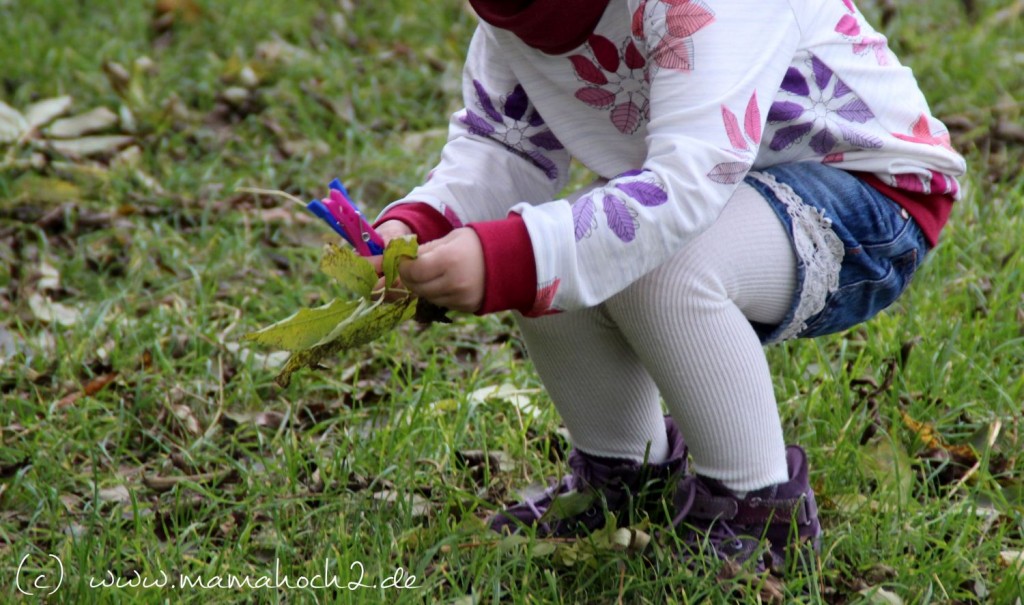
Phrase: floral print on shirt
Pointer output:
(545, 296)
(615, 80)
(617, 76)
(640, 186)
(744, 143)
(517, 126)
(921, 132)
(682, 19)
(824, 108)
(850, 27)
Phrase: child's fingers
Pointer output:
(377, 262)
(422, 270)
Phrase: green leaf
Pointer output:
(306, 328)
(396, 250)
(352, 271)
(512, 542)
(570, 505)
(314, 334)
(368, 323)
(543, 549)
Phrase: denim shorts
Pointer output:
(856, 249)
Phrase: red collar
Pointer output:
(551, 26)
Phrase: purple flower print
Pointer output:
(641, 186)
(823, 107)
(517, 126)
(621, 218)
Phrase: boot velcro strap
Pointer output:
(802, 509)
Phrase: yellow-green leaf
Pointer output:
(396, 250)
(352, 271)
(307, 327)
(367, 324)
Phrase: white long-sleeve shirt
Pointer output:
(673, 102)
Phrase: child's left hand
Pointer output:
(448, 272)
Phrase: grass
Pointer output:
(139, 439)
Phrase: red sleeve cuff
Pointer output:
(511, 275)
(428, 224)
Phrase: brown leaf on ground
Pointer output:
(931, 439)
(168, 13)
(162, 484)
(481, 464)
(89, 388)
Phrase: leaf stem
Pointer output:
(272, 193)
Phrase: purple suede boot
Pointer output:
(576, 505)
(709, 516)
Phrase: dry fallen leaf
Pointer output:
(932, 439)
(12, 124)
(49, 277)
(89, 146)
(118, 494)
(877, 595)
(47, 311)
(163, 484)
(188, 420)
(47, 110)
(94, 120)
(90, 388)
(419, 506)
(270, 361)
(1014, 559)
(166, 13)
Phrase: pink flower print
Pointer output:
(730, 173)
(683, 19)
(545, 296)
(615, 81)
(849, 27)
(828, 111)
(921, 132)
(517, 126)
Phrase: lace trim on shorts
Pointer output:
(818, 248)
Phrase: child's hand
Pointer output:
(449, 272)
(389, 230)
